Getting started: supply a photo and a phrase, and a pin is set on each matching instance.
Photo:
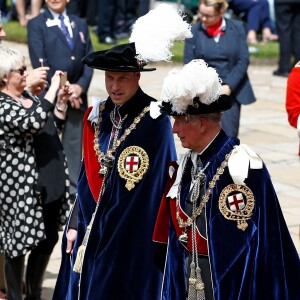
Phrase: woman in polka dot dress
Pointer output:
(22, 116)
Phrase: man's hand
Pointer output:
(37, 80)
(75, 99)
(71, 237)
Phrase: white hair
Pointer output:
(10, 59)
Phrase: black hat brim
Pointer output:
(120, 58)
(223, 103)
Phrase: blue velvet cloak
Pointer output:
(258, 263)
(121, 260)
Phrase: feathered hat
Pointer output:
(151, 39)
(192, 90)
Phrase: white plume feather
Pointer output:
(194, 79)
(154, 33)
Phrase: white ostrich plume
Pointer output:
(194, 79)
(154, 33)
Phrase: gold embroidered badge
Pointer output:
(236, 203)
(133, 163)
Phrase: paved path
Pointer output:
(264, 127)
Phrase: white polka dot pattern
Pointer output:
(21, 221)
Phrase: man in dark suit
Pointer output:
(62, 40)
(287, 13)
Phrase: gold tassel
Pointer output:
(79, 259)
(81, 250)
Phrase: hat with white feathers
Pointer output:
(191, 90)
(152, 37)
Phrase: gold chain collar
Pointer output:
(205, 197)
(109, 156)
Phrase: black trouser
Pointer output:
(288, 29)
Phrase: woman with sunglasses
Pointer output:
(221, 42)
(22, 117)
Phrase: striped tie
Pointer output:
(65, 31)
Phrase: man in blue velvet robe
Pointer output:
(122, 179)
(220, 216)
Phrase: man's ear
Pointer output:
(203, 124)
(138, 75)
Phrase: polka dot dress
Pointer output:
(21, 221)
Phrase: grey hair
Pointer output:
(10, 59)
(213, 117)
(219, 5)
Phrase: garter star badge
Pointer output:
(236, 203)
(133, 163)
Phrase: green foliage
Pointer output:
(14, 32)
(17, 33)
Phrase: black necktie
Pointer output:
(65, 31)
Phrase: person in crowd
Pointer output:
(122, 177)
(116, 18)
(21, 7)
(23, 116)
(221, 42)
(220, 215)
(110, 19)
(2, 278)
(287, 14)
(257, 16)
(292, 102)
(72, 42)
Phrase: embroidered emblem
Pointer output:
(133, 163)
(236, 203)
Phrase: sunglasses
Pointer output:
(21, 71)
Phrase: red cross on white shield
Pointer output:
(236, 202)
(132, 163)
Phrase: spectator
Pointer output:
(221, 42)
(220, 215)
(287, 13)
(115, 18)
(293, 98)
(72, 42)
(257, 15)
(35, 7)
(22, 117)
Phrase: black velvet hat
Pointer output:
(198, 108)
(120, 58)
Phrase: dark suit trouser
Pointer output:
(288, 29)
(111, 15)
(72, 143)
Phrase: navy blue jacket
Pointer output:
(230, 57)
(49, 43)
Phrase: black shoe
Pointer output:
(108, 40)
(282, 74)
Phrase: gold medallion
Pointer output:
(236, 203)
(133, 163)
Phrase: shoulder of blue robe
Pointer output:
(260, 262)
